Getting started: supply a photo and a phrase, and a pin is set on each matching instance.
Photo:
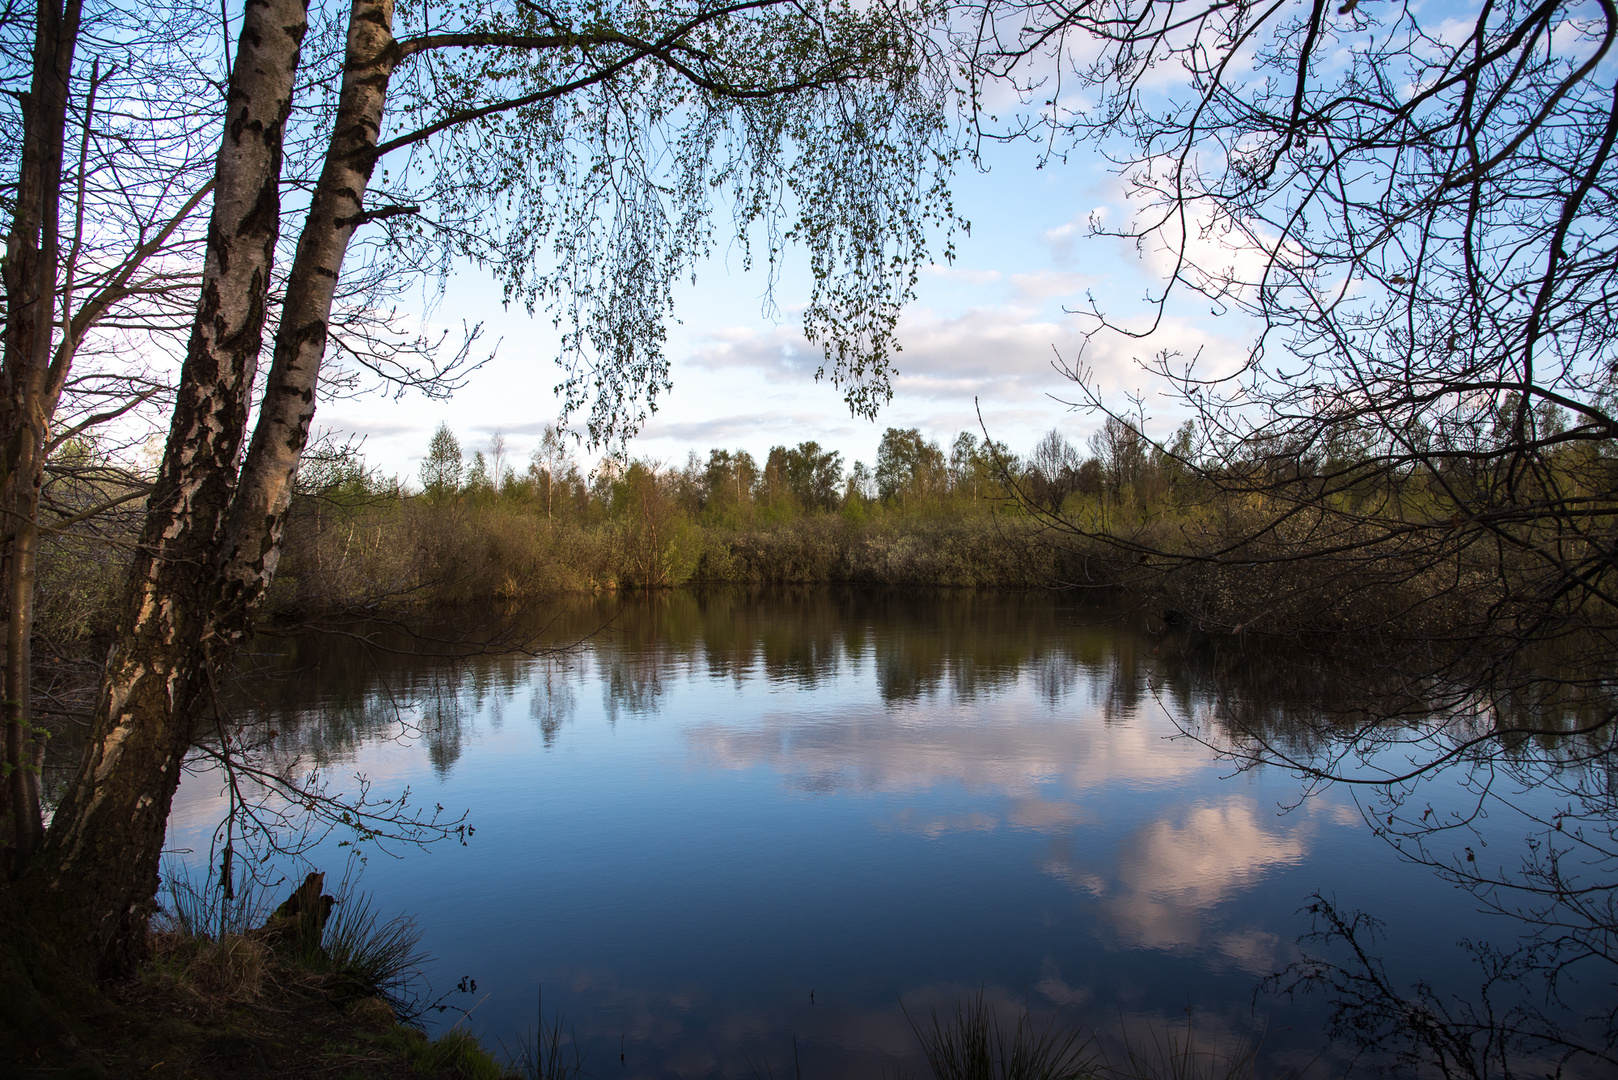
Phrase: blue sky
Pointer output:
(983, 332)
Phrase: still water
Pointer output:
(726, 829)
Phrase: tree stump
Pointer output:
(299, 924)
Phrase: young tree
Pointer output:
(861, 482)
(908, 467)
(814, 475)
(441, 468)
(479, 480)
(549, 462)
(730, 479)
(963, 457)
(497, 461)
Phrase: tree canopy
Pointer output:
(579, 151)
(585, 153)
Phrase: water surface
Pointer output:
(734, 826)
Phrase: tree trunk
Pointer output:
(252, 543)
(95, 882)
(212, 536)
(32, 257)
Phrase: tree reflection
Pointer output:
(1523, 818)
(1501, 782)
(327, 695)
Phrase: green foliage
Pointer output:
(822, 125)
(729, 481)
(335, 473)
(813, 475)
(441, 469)
(456, 1053)
(909, 468)
(654, 543)
(479, 483)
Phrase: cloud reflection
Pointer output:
(1016, 751)
(1030, 770)
(1171, 873)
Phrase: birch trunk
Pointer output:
(96, 879)
(252, 541)
(213, 534)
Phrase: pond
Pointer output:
(743, 833)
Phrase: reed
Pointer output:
(548, 1054)
(973, 1044)
(363, 955)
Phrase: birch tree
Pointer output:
(577, 151)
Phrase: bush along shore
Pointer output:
(475, 528)
(797, 518)
(1137, 516)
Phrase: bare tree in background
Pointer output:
(99, 277)
(1415, 207)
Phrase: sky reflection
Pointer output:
(729, 802)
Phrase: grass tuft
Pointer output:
(974, 1045)
(218, 944)
(363, 956)
(458, 1053)
(546, 1056)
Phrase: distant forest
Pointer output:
(481, 525)
(477, 525)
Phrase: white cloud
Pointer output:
(993, 352)
(780, 349)
(745, 428)
(965, 274)
(1049, 284)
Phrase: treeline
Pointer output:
(1250, 537)
(482, 525)
(477, 524)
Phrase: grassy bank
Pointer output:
(232, 988)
